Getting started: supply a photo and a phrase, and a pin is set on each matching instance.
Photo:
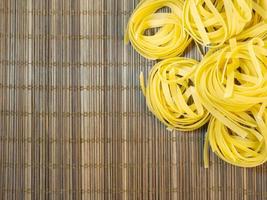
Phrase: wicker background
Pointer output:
(73, 121)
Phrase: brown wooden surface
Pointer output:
(74, 124)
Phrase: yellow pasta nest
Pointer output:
(233, 78)
(171, 95)
(244, 151)
(231, 82)
(212, 22)
(170, 40)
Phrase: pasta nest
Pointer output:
(213, 22)
(243, 151)
(233, 78)
(171, 95)
(169, 40)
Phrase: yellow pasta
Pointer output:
(170, 40)
(228, 87)
(230, 82)
(258, 14)
(257, 31)
(212, 22)
(171, 95)
(248, 151)
(257, 27)
(233, 78)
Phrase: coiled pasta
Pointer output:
(212, 22)
(228, 87)
(233, 78)
(230, 82)
(257, 31)
(248, 151)
(171, 95)
(257, 27)
(169, 41)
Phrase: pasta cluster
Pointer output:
(227, 89)
(232, 86)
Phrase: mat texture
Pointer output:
(74, 124)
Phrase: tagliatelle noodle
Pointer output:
(170, 40)
(257, 27)
(233, 79)
(211, 23)
(171, 96)
(258, 14)
(230, 82)
(257, 31)
(249, 151)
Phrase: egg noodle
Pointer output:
(248, 151)
(171, 95)
(227, 88)
(169, 41)
(213, 22)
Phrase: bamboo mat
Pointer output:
(74, 124)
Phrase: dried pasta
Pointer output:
(235, 77)
(228, 88)
(248, 151)
(230, 82)
(171, 95)
(213, 22)
(169, 41)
